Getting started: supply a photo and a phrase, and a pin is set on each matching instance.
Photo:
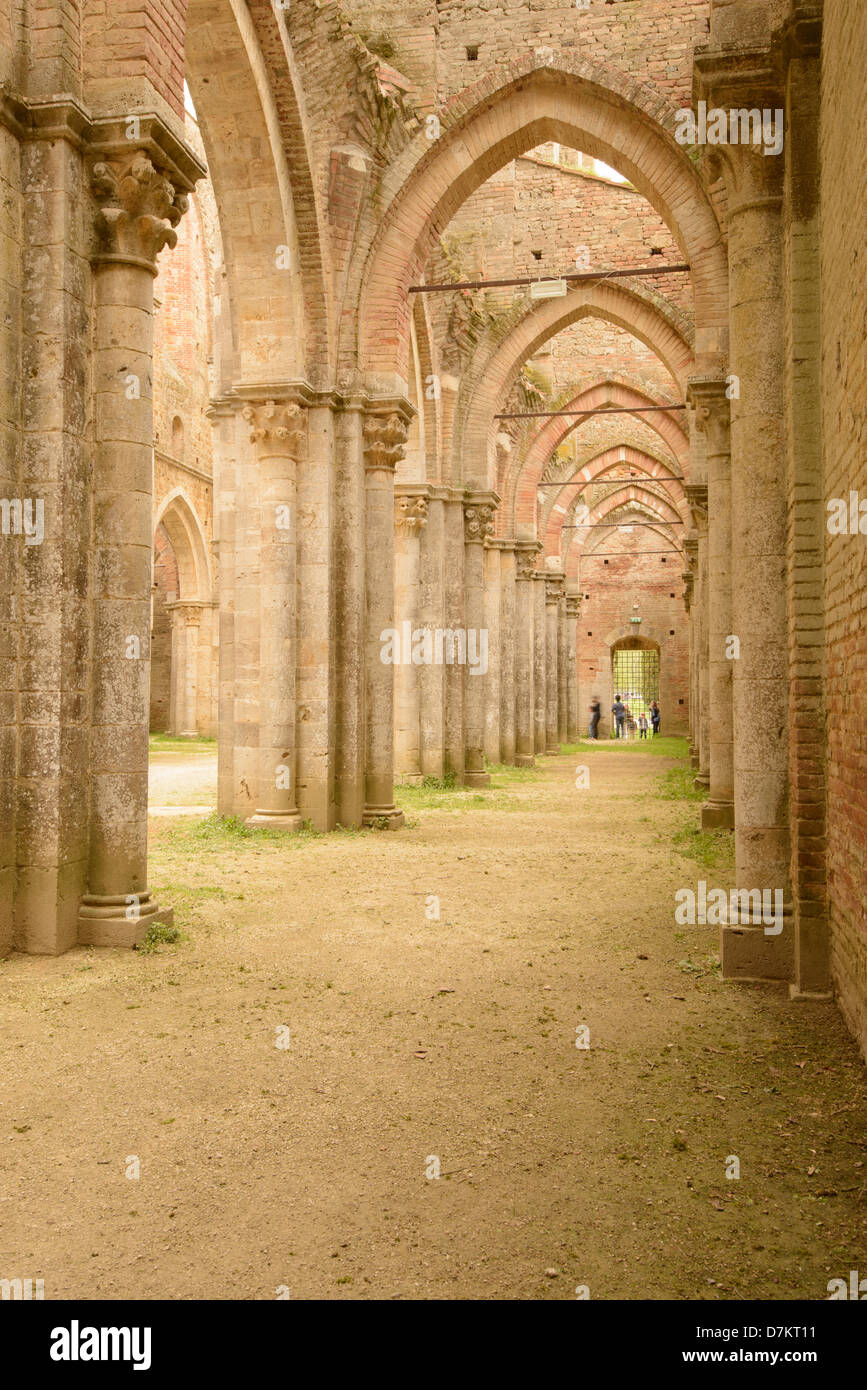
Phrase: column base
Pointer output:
(410, 779)
(718, 815)
(694, 760)
(383, 817)
(102, 921)
(748, 954)
(552, 748)
(805, 996)
(477, 779)
(702, 782)
(290, 821)
(525, 760)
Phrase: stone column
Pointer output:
(183, 714)
(573, 610)
(384, 440)
(540, 664)
(708, 394)
(525, 590)
(492, 624)
(690, 577)
(507, 652)
(276, 430)
(410, 519)
(553, 587)
(455, 620)
(478, 525)
(139, 208)
(754, 185)
(697, 497)
(562, 671)
(432, 616)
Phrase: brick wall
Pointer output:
(844, 403)
(608, 593)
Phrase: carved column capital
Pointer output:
(276, 427)
(573, 606)
(384, 440)
(696, 496)
(478, 522)
(410, 514)
(554, 584)
(712, 411)
(138, 208)
(525, 559)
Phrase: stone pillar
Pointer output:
(697, 496)
(183, 712)
(573, 610)
(507, 652)
(693, 591)
(708, 394)
(455, 621)
(553, 586)
(276, 430)
(410, 519)
(754, 184)
(525, 591)
(384, 440)
(139, 208)
(478, 525)
(562, 671)
(432, 616)
(492, 623)
(540, 664)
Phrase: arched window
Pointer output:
(177, 437)
(635, 672)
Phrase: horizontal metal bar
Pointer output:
(610, 482)
(616, 525)
(573, 277)
(603, 410)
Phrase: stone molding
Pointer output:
(525, 558)
(554, 586)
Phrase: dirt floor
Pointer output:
(269, 1169)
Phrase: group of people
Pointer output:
(623, 720)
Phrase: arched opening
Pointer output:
(635, 676)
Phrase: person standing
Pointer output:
(618, 709)
(642, 725)
(595, 716)
(655, 717)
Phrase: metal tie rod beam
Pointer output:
(603, 410)
(574, 277)
(617, 525)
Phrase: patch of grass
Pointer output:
(217, 833)
(158, 935)
(677, 785)
(712, 849)
(171, 743)
(661, 747)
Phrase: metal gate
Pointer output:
(636, 678)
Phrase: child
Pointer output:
(642, 725)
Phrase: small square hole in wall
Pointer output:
(586, 595)
(671, 596)
(671, 632)
(472, 53)
(663, 559)
(590, 634)
(605, 562)
(537, 255)
(680, 702)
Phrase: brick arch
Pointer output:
(520, 481)
(576, 103)
(649, 504)
(252, 127)
(625, 306)
(650, 467)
